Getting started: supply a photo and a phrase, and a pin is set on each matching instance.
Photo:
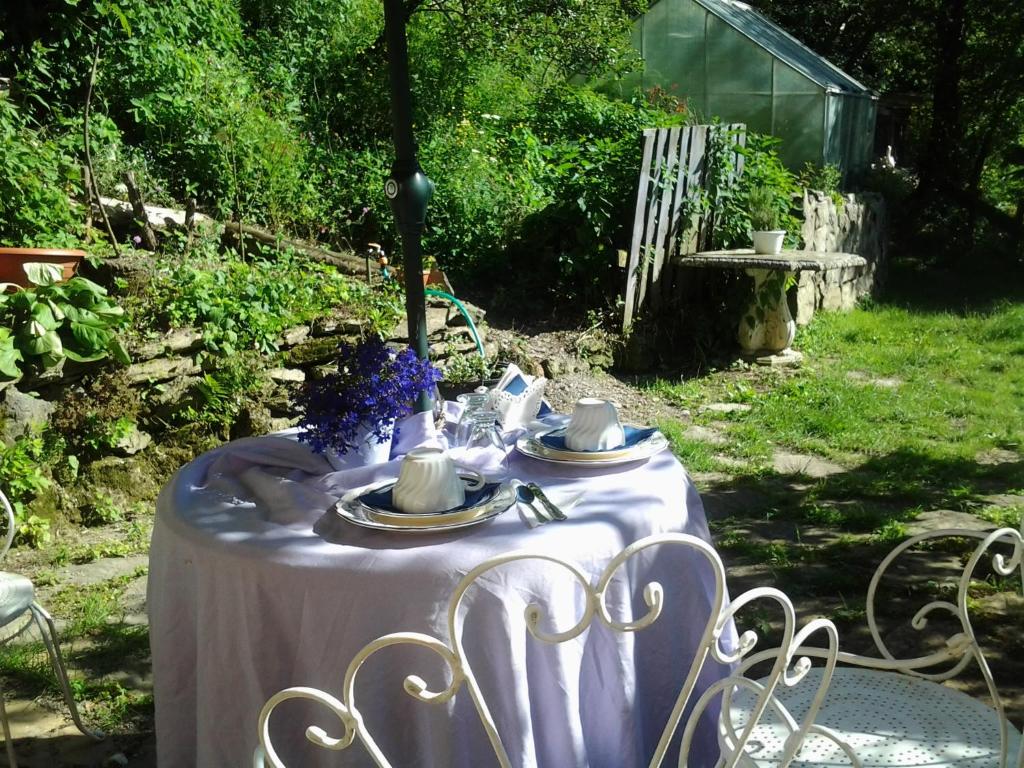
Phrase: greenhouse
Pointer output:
(728, 61)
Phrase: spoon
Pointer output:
(527, 497)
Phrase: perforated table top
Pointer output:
(888, 719)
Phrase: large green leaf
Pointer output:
(48, 343)
(90, 338)
(118, 351)
(58, 313)
(88, 317)
(10, 356)
(85, 285)
(43, 274)
(108, 310)
(43, 316)
(70, 354)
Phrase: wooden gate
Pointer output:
(670, 200)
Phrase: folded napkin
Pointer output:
(384, 498)
(274, 474)
(634, 435)
(519, 398)
(515, 382)
(416, 431)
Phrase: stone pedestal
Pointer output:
(767, 327)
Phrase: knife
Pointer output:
(548, 504)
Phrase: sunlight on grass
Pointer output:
(925, 393)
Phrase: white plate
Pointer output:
(353, 511)
(531, 446)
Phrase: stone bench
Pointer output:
(767, 328)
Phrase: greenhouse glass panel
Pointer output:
(655, 49)
(755, 111)
(735, 66)
(674, 51)
(731, 62)
(799, 121)
(788, 81)
(852, 135)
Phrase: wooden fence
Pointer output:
(671, 198)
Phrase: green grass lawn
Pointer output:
(927, 406)
(920, 414)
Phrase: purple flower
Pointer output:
(373, 386)
(137, 239)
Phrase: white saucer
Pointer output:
(356, 512)
(530, 445)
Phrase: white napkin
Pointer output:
(518, 397)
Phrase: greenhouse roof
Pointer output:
(770, 36)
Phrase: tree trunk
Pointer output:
(149, 241)
(941, 166)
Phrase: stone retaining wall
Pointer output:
(859, 225)
(170, 363)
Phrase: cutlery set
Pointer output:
(541, 508)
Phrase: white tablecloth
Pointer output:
(244, 600)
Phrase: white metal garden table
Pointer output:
(245, 599)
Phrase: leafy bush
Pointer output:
(103, 510)
(52, 321)
(226, 387)
(762, 170)
(822, 178)
(94, 417)
(242, 305)
(36, 209)
(22, 476)
(542, 197)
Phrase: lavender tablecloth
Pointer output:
(245, 599)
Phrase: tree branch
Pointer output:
(94, 192)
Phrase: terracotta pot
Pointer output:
(433, 277)
(11, 260)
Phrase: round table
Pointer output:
(245, 599)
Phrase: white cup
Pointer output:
(429, 481)
(594, 426)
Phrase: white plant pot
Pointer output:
(768, 242)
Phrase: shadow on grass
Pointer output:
(883, 489)
(820, 541)
(968, 288)
(78, 751)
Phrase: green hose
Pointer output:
(469, 320)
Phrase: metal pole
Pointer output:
(408, 188)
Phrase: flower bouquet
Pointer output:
(353, 409)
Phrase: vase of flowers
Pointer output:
(350, 414)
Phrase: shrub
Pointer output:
(94, 417)
(762, 171)
(246, 304)
(762, 209)
(51, 321)
(38, 180)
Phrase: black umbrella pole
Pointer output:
(408, 189)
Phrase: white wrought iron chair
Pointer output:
(893, 712)
(788, 667)
(17, 598)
